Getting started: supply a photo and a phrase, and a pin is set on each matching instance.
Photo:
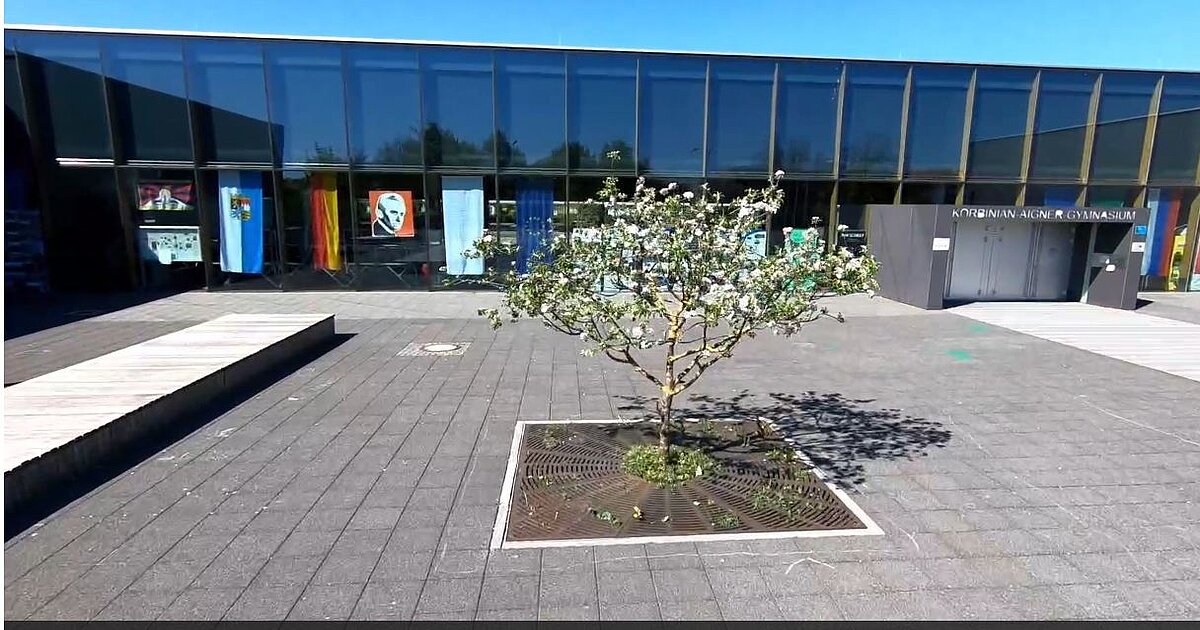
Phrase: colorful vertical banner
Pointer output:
(241, 221)
(326, 237)
(1160, 241)
(535, 224)
(1153, 243)
(392, 214)
(462, 220)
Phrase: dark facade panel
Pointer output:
(1060, 127)
(739, 116)
(149, 94)
(998, 123)
(871, 119)
(671, 114)
(458, 104)
(1121, 125)
(806, 117)
(601, 111)
(936, 112)
(1178, 135)
(384, 105)
(531, 105)
(65, 83)
(308, 107)
(228, 85)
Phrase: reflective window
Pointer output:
(1178, 131)
(226, 80)
(1113, 196)
(391, 240)
(936, 112)
(871, 119)
(86, 248)
(601, 110)
(1058, 133)
(307, 102)
(385, 105)
(1163, 265)
(998, 123)
(149, 97)
(928, 193)
(739, 116)
(458, 107)
(1121, 125)
(806, 125)
(1057, 196)
(68, 90)
(804, 204)
(13, 100)
(991, 194)
(853, 198)
(672, 114)
(316, 229)
(531, 102)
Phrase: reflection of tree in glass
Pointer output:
(874, 153)
(441, 144)
(322, 155)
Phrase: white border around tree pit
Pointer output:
(498, 530)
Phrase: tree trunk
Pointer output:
(665, 401)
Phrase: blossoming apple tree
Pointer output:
(691, 285)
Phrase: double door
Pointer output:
(1011, 260)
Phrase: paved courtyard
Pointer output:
(1013, 477)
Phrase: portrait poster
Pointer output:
(392, 214)
(160, 196)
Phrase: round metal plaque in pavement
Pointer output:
(440, 347)
(434, 349)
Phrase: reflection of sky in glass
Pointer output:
(602, 102)
(672, 120)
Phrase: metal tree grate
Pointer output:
(570, 485)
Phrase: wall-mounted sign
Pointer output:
(852, 238)
(941, 244)
(756, 243)
(1138, 247)
(392, 214)
(167, 245)
(1069, 215)
(1140, 230)
(164, 196)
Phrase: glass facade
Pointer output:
(236, 162)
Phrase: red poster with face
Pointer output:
(392, 214)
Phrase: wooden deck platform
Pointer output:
(59, 425)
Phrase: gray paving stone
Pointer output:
(589, 612)
(682, 585)
(200, 604)
(284, 570)
(509, 592)
(264, 603)
(813, 606)
(346, 569)
(644, 611)
(388, 601)
(130, 605)
(625, 587)
(321, 602)
(566, 589)
(168, 576)
(451, 595)
(736, 584)
(692, 610)
(514, 562)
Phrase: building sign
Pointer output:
(852, 239)
(167, 245)
(1066, 215)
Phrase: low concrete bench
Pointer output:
(60, 425)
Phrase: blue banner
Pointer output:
(241, 221)
(535, 228)
(462, 220)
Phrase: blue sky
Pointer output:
(1155, 34)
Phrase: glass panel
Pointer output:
(935, 123)
(871, 122)
(1058, 133)
(149, 97)
(672, 114)
(166, 220)
(316, 228)
(532, 212)
(991, 194)
(458, 107)
(1055, 196)
(86, 248)
(806, 128)
(67, 87)
(1178, 131)
(998, 123)
(1121, 125)
(307, 102)
(928, 193)
(239, 209)
(601, 110)
(226, 80)
(385, 105)
(853, 198)
(1163, 266)
(531, 101)
(804, 204)
(1113, 196)
(739, 116)
(391, 243)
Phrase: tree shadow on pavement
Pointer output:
(837, 433)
